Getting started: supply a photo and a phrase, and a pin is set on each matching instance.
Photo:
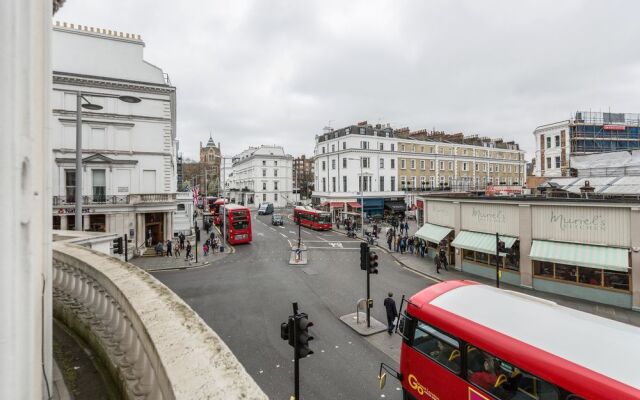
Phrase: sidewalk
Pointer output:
(425, 266)
(163, 263)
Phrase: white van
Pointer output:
(265, 208)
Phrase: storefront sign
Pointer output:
(614, 127)
(490, 218)
(591, 223)
(480, 215)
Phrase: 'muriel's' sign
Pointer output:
(480, 215)
(591, 223)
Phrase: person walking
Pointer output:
(389, 240)
(443, 258)
(436, 259)
(188, 252)
(406, 228)
(149, 238)
(181, 237)
(169, 248)
(205, 248)
(176, 249)
(392, 312)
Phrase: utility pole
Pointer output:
(78, 199)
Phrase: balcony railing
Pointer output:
(152, 198)
(107, 199)
(153, 344)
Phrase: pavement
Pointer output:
(164, 263)
(425, 266)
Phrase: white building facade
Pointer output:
(552, 153)
(355, 161)
(128, 149)
(261, 174)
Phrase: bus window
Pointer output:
(237, 225)
(504, 380)
(438, 346)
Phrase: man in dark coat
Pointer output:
(392, 312)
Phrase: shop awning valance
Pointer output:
(581, 255)
(336, 204)
(354, 204)
(433, 233)
(396, 205)
(482, 242)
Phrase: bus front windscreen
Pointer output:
(324, 218)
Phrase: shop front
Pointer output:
(437, 237)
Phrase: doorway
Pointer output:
(153, 223)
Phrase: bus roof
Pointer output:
(598, 344)
(231, 206)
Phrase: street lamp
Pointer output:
(94, 107)
(361, 194)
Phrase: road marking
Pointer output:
(281, 227)
(292, 232)
(283, 235)
(333, 248)
(335, 244)
(272, 229)
(260, 234)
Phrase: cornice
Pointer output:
(111, 83)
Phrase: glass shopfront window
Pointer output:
(509, 262)
(583, 275)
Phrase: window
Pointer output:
(333, 183)
(344, 163)
(422, 164)
(344, 183)
(393, 163)
(490, 167)
(99, 185)
(344, 145)
(333, 164)
(441, 165)
(180, 207)
(403, 163)
(402, 147)
(70, 182)
(275, 185)
(548, 162)
(393, 147)
(366, 163)
(275, 197)
(323, 150)
(393, 183)
(478, 167)
(450, 165)
(264, 185)
(557, 141)
(382, 163)
(465, 166)
(324, 184)
(264, 197)
(381, 146)
(438, 346)
(364, 144)
(382, 183)
(582, 275)
(324, 165)
(275, 172)
(264, 172)
(413, 164)
(362, 131)
(484, 370)
(264, 163)
(557, 163)
(548, 142)
(333, 147)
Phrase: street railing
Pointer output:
(153, 344)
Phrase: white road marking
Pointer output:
(292, 232)
(272, 229)
(333, 248)
(335, 244)
(283, 235)
(260, 234)
(281, 227)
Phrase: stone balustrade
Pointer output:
(153, 344)
(152, 198)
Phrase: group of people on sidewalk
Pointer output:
(173, 248)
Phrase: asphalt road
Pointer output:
(246, 296)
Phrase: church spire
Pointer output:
(211, 143)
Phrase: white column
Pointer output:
(25, 165)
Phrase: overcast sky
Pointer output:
(277, 72)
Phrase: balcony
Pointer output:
(152, 198)
(116, 200)
(153, 344)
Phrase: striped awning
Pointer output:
(336, 204)
(581, 255)
(482, 242)
(433, 233)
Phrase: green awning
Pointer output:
(433, 233)
(581, 255)
(482, 242)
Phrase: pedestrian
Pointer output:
(176, 249)
(389, 241)
(403, 245)
(169, 248)
(337, 223)
(423, 247)
(214, 245)
(149, 238)
(436, 259)
(188, 252)
(205, 248)
(181, 237)
(212, 236)
(443, 258)
(406, 227)
(392, 312)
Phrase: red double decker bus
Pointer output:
(464, 340)
(238, 223)
(312, 218)
(214, 209)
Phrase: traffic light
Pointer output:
(286, 331)
(501, 247)
(197, 234)
(117, 246)
(372, 263)
(364, 255)
(302, 331)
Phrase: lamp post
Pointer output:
(79, 107)
(361, 194)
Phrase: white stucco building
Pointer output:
(128, 149)
(261, 174)
(354, 159)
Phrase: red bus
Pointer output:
(464, 340)
(238, 223)
(311, 218)
(210, 201)
(214, 209)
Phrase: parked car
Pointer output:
(276, 219)
(265, 208)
